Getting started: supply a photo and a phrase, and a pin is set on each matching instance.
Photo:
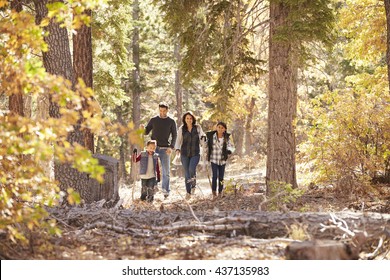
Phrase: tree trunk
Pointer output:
(282, 103)
(178, 88)
(123, 145)
(186, 102)
(136, 82)
(237, 136)
(387, 8)
(82, 65)
(249, 120)
(57, 61)
(15, 101)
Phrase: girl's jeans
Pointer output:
(218, 173)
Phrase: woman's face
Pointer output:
(220, 129)
(189, 120)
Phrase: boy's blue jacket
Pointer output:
(143, 158)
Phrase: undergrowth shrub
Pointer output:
(349, 133)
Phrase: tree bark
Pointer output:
(15, 100)
(136, 83)
(237, 136)
(282, 103)
(249, 120)
(123, 144)
(58, 61)
(387, 9)
(83, 68)
(178, 88)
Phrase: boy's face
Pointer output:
(150, 148)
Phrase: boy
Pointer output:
(149, 169)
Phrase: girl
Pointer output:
(219, 148)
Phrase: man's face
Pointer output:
(163, 112)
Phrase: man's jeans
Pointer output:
(165, 166)
(189, 165)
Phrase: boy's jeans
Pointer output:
(165, 166)
(189, 165)
(147, 191)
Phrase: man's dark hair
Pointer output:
(163, 105)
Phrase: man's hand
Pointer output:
(169, 151)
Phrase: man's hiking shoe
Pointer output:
(193, 190)
(188, 196)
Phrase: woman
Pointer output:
(219, 148)
(189, 137)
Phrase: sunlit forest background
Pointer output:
(79, 78)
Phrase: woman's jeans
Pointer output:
(218, 173)
(165, 166)
(189, 166)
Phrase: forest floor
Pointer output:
(80, 240)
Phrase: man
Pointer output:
(163, 128)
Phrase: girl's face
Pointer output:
(220, 129)
(189, 120)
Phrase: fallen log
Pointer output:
(321, 250)
(252, 223)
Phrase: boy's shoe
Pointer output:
(166, 194)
